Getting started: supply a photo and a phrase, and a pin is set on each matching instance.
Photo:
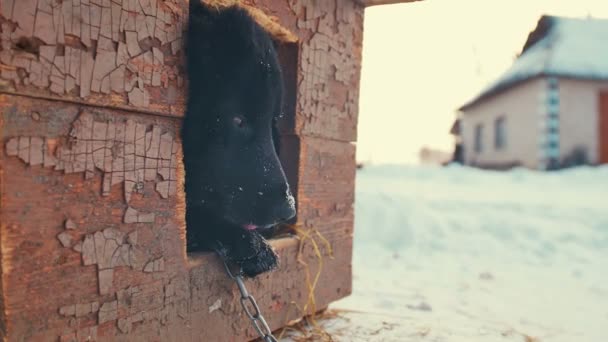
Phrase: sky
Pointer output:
(422, 60)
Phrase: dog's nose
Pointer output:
(284, 213)
(286, 209)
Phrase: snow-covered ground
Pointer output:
(458, 254)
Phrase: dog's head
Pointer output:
(229, 132)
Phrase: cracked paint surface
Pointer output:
(79, 310)
(80, 48)
(153, 302)
(116, 151)
(108, 249)
(330, 60)
(125, 151)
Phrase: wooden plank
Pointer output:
(37, 201)
(24, 15)
(603, 128)
(116, 177)
(84, 21)
(329, 68)
(368, 3)
(326, 185)
(37, 242)
(329, 64)
(278, 294)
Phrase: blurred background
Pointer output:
(482, 202)
(422, 61)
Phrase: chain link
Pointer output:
(250, 306)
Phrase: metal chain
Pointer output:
(250, 306)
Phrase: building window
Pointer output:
(478, 138)
(500, 133)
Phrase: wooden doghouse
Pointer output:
(92, 207)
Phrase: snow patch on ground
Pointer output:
(459, 254)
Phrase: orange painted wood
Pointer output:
(56, 223)
(603, 128)
(91, 199)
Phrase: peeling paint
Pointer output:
(134, 216)
(85, 46)
(131, 61)
(79, 310)
(330, 61)
(157, 265)
(108, 312)
(125, 151)
(69, 224)
(65, 239)
(107, 249)
(216, 305)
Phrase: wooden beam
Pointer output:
(86, 251)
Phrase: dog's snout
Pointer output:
(286, 209)
(284, 212)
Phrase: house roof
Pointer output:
(558, 46)
(455, 129)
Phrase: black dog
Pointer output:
(235, 185)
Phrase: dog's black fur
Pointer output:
(233, 175)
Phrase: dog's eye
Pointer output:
(238, 121)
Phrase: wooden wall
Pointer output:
(92, 227)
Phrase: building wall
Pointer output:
(579, 106)
(520, 106)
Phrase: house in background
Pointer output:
(432, 156)
(550, 109)
(457, 154)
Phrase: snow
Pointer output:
(459, 254)
(579, 48)
(573, 47)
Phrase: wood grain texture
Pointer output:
(329, 63)
(90, 37)
(133, 280)
(91, 198)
